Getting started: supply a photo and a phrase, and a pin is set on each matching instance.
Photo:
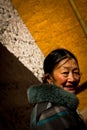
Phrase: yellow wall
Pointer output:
(54, 24)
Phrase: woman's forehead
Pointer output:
(68, 62)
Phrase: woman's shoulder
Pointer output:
(48, 115)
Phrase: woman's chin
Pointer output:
(70, 90)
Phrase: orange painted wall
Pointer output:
(54, 24)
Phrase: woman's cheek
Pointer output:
(60, 80)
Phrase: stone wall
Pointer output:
(20, 66)
(17, 39)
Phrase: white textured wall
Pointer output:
(20, 66)
(17, 39)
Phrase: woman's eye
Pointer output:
(77, 73)
(65, 73)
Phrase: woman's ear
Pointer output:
(49, 79)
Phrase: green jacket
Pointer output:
(54, 108)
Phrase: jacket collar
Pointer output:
(52, 93)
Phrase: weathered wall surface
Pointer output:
(17, 39)
(52, 24)
(20, 67)
(55, 23)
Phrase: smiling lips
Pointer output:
(70, 87)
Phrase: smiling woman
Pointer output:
(55, 100)
(61, 68)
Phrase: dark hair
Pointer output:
(54, 57)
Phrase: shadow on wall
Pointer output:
(15, 78)
(82, 87)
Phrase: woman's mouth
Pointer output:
(70, 89)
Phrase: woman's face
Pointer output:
(66, 75)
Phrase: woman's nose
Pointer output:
(71, 77)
